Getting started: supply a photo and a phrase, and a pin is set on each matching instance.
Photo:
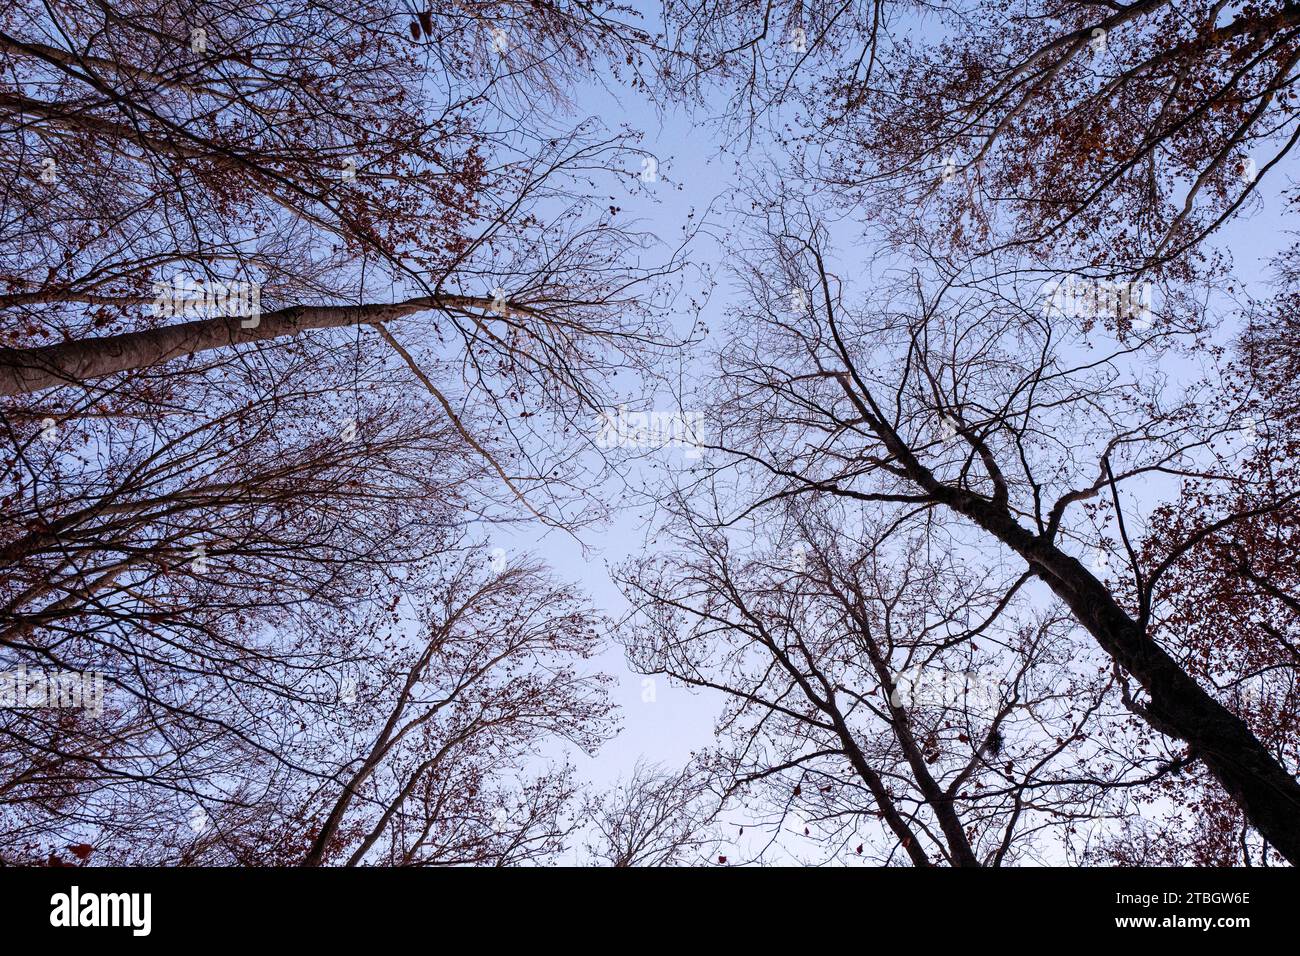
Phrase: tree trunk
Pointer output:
(1266, 792)
(32, 370)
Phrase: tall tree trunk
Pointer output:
(1266, 792)
(32, 370)
(1179, 707)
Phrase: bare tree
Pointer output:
(919, 708)
(656, 817)
(292, 297)
(1118, 136)
(422, 749)
(494, 676)
(949, 395)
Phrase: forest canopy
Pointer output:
(908, 390)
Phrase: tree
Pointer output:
(419, 750)
(945, 394)
(495, 676)
(1009, 144)
(291, 299)
(212, 569)
(1116, 136)
(903, 708)
(339, 172)
(656, 817)
(1226, 603)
